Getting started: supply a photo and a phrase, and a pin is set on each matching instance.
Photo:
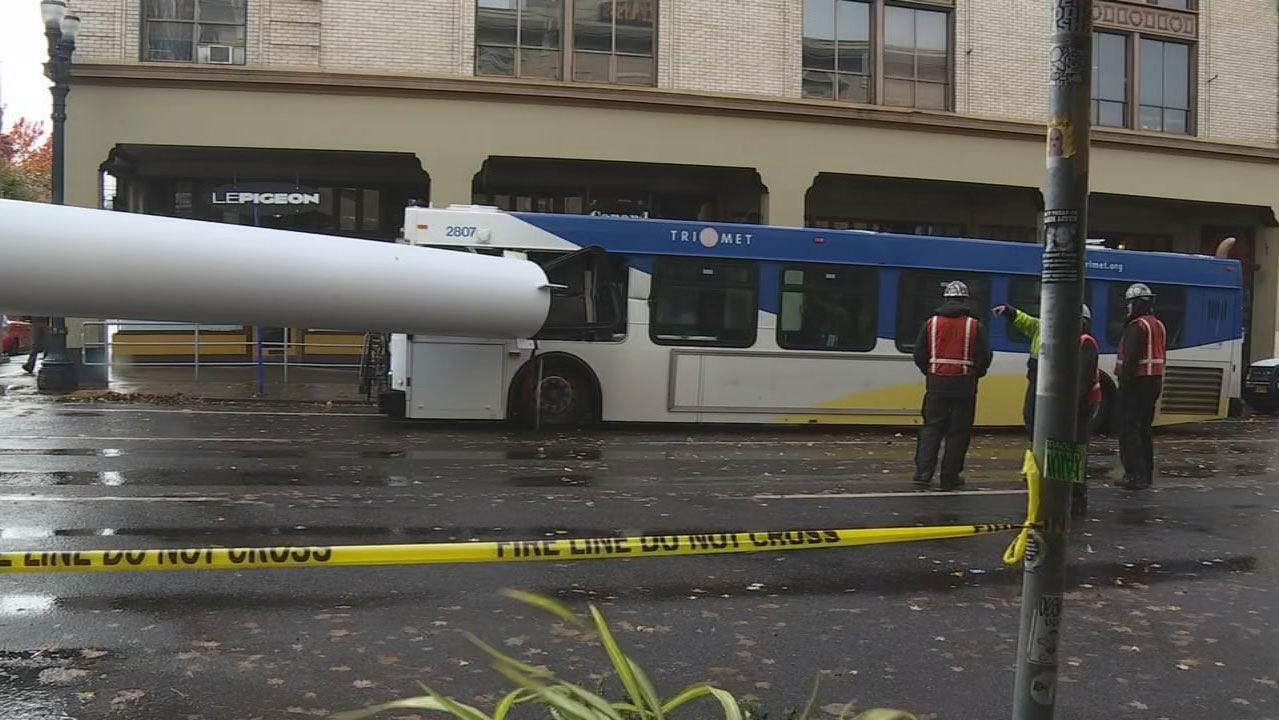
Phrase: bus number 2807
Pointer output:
(461, 231)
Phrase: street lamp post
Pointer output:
(58, 371)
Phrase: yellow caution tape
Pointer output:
(557, 550)
(1016, 551)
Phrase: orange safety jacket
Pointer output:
(1154, 356)
(951, 345)
(1092, 396)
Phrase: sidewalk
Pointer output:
(305, 384)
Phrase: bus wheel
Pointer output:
(568, 394)
(1107, 420)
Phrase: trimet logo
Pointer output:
(709, 237)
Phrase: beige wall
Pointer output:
(744, 47)
(1265, 290)
(453, 136)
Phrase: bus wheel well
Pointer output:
(561, 373)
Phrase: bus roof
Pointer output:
(762, 242)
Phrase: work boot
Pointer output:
(28, 369)
(1130, 482)
(923, 484)
(951, 484)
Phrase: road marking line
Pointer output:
(124, 498)
(103, 438)
(291, 413)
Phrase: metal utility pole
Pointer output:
(58, 370)
(1057, 402)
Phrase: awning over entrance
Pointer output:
(361, 194)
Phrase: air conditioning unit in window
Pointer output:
(216, 54)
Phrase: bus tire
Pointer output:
(1106, 421)
(570, 393)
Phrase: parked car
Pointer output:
(1261, 386)
(16, 336)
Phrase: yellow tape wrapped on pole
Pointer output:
(1016, 552)
(557, 550)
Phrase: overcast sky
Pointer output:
(23, 89)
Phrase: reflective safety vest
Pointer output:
(951, 345)
(1092, 396)
(1154, 355)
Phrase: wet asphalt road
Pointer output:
(1172, 611)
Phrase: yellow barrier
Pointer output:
(557, 550)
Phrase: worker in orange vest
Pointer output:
(1089, 403)
(953, 353)
(1139, 368)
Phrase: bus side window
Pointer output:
(828, 307)
(591, 306)
(705, 302)
(1170, 308)
(1023, 294)
(919, 293)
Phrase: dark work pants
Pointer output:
(1137, 399)
(948, 417)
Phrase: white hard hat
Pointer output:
(955, 289)
(1138, 290)
(1087, 313)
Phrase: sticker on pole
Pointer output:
(1045, 631)
(1034, 555)
(1063, 461)
(1043, 688)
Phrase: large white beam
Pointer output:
(66, 261)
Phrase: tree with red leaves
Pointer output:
(26, 162)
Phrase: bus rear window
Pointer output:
(919, 293)
(828, 307)
(1170, 308)
(704, 302)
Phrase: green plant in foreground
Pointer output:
(562, 700)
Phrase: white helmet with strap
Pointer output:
(955, 289)
(1087, 313)
(1137, 291)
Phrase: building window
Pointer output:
(910, 66)
(1165, 86)
(828, 307)
(519, 38)
(611, 41)
(201, 31)
(704, 302)
(934, 229)
(916, 58)
(837, 50)
(614, 41)
(1110, 79)
(1156, 98)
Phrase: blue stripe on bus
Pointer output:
(672, 237)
